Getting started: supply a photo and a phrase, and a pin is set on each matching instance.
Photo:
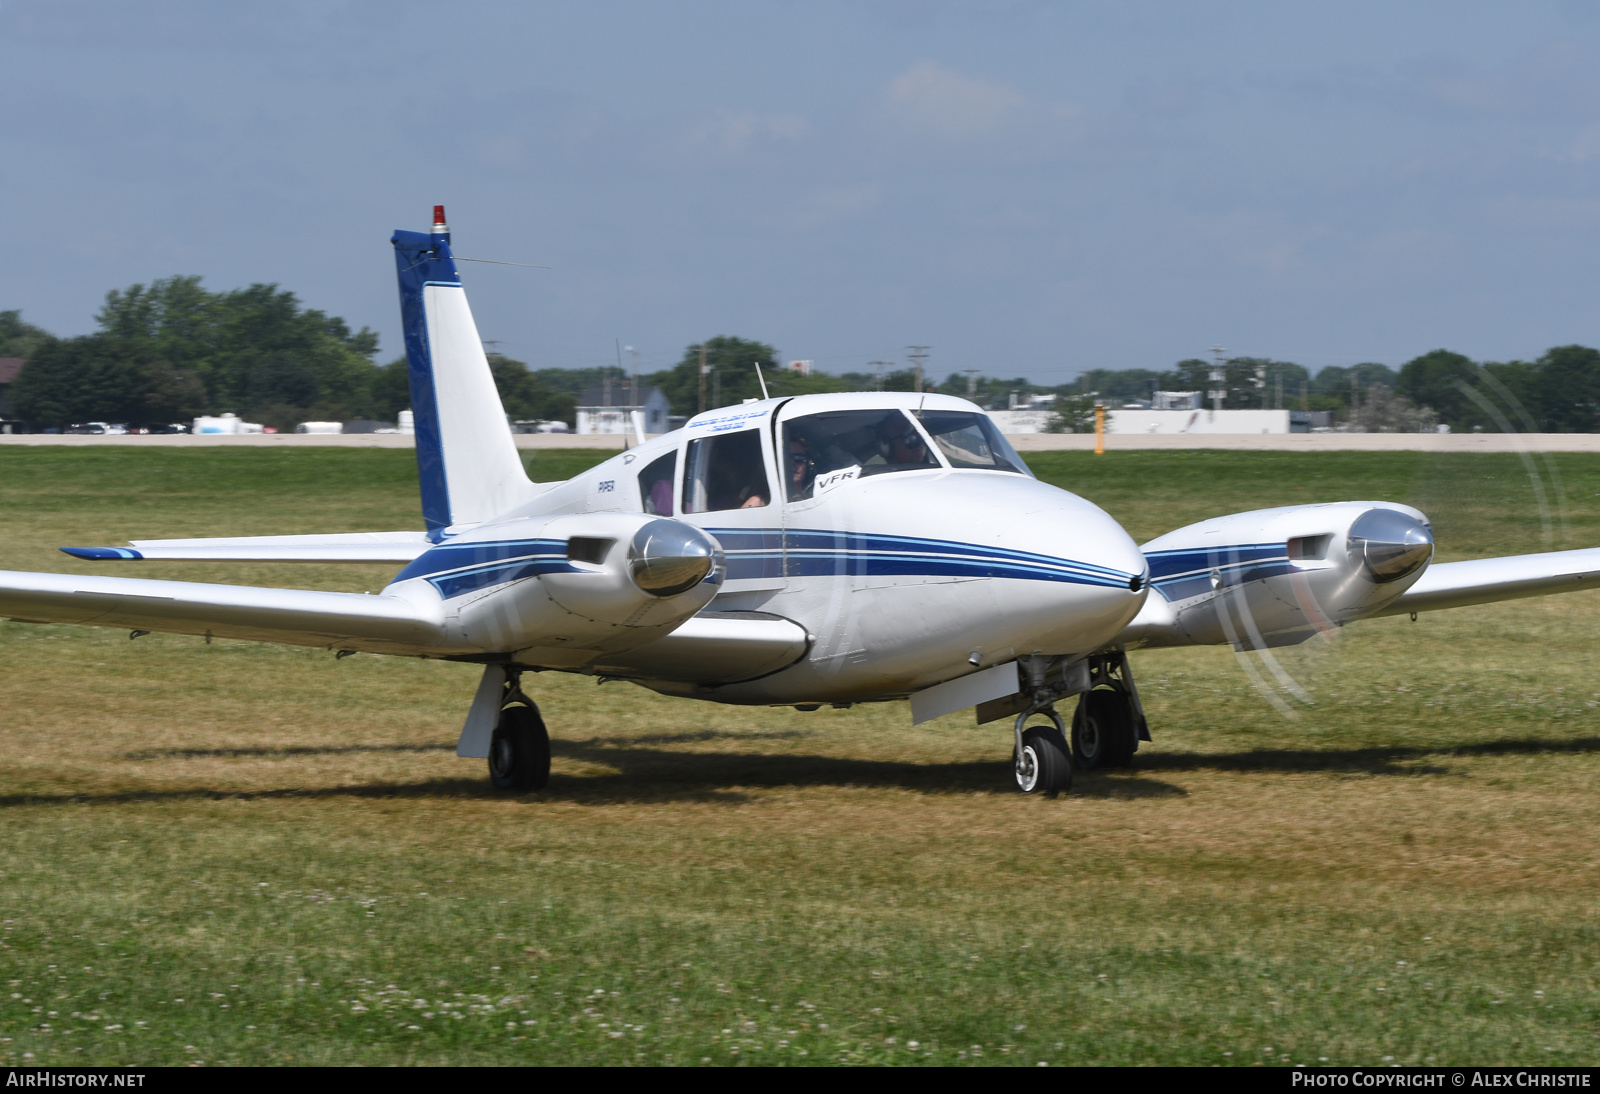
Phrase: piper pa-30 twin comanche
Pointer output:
(818, 549)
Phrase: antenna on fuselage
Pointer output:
(762, 380)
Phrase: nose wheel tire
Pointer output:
(1103, 732)
(519, 751)
(1043, 765)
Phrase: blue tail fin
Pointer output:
(466, 457)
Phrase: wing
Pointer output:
(1486, 580)
(343, 547)
(356, 621)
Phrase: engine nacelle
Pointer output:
(1275, 577)
(569, 585)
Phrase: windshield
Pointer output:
(971, 440)
(823, 450)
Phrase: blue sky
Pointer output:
(1032, 189)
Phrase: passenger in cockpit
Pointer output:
(801, 469)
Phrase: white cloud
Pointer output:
(828, 205)
(738, 133)
(933, 99)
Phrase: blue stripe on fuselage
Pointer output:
(808, 552)
(458, 568)
(1180, 574)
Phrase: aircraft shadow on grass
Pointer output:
(657, 775)
(1381, 760)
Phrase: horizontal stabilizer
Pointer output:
(1486, 580)
(356, 621)
(342, 547)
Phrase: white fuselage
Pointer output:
(899, 581)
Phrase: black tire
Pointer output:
(1044, 766)
(519, 751)
(1103, 735)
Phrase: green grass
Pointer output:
(244, 854)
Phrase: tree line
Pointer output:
(171, 350)
(1558, 392)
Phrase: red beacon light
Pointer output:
(439, 226)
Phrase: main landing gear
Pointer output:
(519, 751)
(1109, 722)
(1107, 726)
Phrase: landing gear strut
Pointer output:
(519, 751)
(1109, 722)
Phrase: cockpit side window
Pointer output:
(971, 440)
(843, 444)
(655, 485)
(725, 472)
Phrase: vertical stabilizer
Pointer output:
(466, 457)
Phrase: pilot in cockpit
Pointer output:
(899, 444)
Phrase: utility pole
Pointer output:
(972, 382)
(702, 348)
(918, 354)
(877, 373)
(1219, 375)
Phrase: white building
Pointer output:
(609, 409)
(1197, 421)
(1022, 421)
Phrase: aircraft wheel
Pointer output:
(1103, 734)
(519, 751)
(1043, 766)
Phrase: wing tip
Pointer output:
(102, 553)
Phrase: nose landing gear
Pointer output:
(1107, 726)
(1040, 759)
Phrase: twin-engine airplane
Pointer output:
(819, 549)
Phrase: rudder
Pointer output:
(466, 458)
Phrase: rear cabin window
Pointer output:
(821, 450)
(655, 485)
(725, 472)
(971, 440)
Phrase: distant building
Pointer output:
(609, 409)
(1198, 421)
(1174, 400)
(9, 367)
(1022, 421)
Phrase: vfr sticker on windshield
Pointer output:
(832, 479)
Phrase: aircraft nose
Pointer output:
(1390, 543)
(668, 557)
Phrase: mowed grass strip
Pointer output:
(239, 853)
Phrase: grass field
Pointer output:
(238, 853)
